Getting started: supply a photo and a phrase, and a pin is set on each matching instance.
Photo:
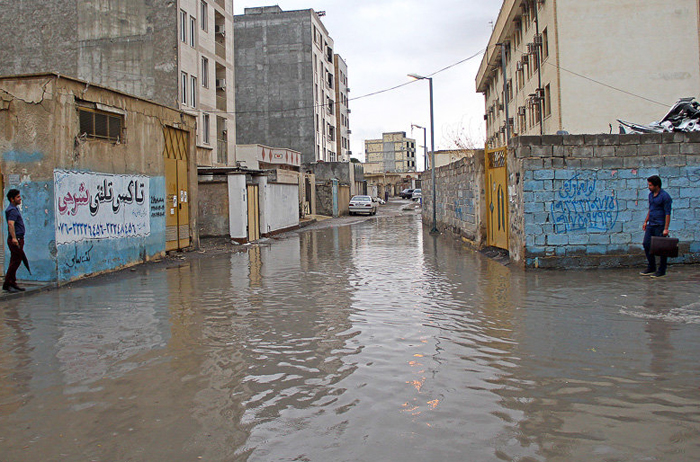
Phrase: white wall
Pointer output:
(279, 206)
(649, 48)
(238, 207)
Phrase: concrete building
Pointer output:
(107, 179)
(393, 152)
(579, 66)
(179, 54)
(342, 111)
(285, 79)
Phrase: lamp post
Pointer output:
(425, 146)
(434, 229)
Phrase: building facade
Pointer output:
(393, 152)
(106, 179)
(285, 79)
(578, 67)
(179, 54)
(342, 111)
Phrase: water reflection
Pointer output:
(370, 342)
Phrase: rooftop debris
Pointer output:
(684, 116)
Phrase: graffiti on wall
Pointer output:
(100, 206)
(579, 207)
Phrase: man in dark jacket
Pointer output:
(15, 240)
(656, 224)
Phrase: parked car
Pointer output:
(417, 194)
(362, 204)
(406, 193)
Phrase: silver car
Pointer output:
(362, 204)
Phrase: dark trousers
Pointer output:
(651, 259)
(15, 261)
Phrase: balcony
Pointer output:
(220, 48)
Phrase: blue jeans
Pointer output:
(654, 230)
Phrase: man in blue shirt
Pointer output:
(656, 224)
(15, 240)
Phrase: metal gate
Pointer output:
(253, 213)
(497, 198)
(177, 218)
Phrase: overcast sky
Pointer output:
(384, 40)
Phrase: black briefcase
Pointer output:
(664, 246)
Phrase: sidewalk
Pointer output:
(31, 286)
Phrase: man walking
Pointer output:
(656, 224)
(15, 240)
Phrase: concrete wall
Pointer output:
(461, 206)
(324, 199)
(580, 201)
(281, 209)
(40, 140)
(214, 207)
(127, 45)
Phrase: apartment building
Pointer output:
(393, 153)
(179, 54)
(563, 65)
(285, 82)
(342, 111)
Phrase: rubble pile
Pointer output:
(684, 116)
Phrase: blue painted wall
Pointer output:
(601, 211)
(50, 262)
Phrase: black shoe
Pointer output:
(658, 275)
(21, 289)
(11, 289)
(647, 272)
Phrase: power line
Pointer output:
(357, 97)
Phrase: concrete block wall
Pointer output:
(580, 200)
(460, 198)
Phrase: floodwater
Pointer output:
(372, 342)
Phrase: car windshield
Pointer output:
(360, 199)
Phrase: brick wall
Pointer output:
(580, 200)
(460, 202)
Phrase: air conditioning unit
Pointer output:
(220, 29)
(519, 66)
(521, 111)
(538, 39)
(220, 84)
(525, 59)
(540, 93)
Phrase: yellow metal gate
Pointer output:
(497, 198)
(177, 221)
(253, 213)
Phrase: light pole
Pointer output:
(434, 230)
(425, 146)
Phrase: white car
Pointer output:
(417, 194)
(362, 204)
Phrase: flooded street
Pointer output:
(371, 342)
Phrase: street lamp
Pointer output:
(425, 145)
(434, 230)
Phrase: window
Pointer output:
(193, 82)
(183, 26)
(193, 31)
(100, 124)
(547, 101)
(183, 87)
(205, 128)
(545, 44)
(205, 72)
(204, 13)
